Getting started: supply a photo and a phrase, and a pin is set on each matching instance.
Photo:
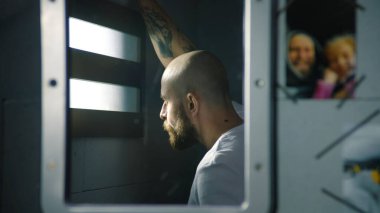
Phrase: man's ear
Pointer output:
(192, 103)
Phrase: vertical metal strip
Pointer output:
(258, 104)
(53, 87)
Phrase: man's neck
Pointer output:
(217, 123)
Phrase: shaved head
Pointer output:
(199, 72)
(196, 105)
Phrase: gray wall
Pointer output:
(220, 30)
(20, 106)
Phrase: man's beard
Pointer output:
(183, 134)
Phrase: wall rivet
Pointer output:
(260, 83)
(258, 166)
(53, 82)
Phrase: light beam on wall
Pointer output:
(93, 95)
(98, 39)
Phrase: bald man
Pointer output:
(197, 109)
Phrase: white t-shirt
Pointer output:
(239, 109)
(219, 179)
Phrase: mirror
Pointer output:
(118, 152)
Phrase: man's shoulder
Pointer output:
(232, 139)
(228, 149)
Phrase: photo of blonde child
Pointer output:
(339, 76)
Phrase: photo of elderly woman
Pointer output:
(303, 63)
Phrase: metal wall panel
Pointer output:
(20, 122)
(368, 46)
(21, 159)
(306, 129)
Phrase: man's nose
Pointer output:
(163, 112)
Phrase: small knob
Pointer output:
(260, 83)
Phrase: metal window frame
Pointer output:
(257, 95)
